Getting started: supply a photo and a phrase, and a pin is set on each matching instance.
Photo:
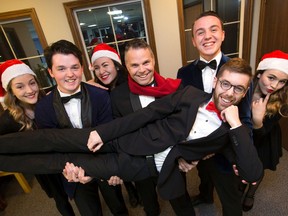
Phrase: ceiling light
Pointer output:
(93, 25)
(114, 12)
(118, 17)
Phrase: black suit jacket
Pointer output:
(192, 75)
(168, 122)
(165, 122)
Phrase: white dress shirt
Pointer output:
(73, 109)
(208, 74)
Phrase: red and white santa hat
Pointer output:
(104, 50)
(9, 70)
(277, 60)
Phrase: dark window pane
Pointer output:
(5, 51)
(23, 38)
(230, 44)
(228, 10)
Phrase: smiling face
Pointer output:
(140, 64)
(67, 72)
(25, 88)
(105, 70)
(208, 36)
(225, 98)
(271, 80)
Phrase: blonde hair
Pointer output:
(17, 109)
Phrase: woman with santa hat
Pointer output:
(269, 104)
(107, 67)
(109, 72)
(19, 90)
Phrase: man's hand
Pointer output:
(115, 180)
(231, 115)
(94, 142)
(259, 110)
(184, 166)
(75, 174)
(237, 174)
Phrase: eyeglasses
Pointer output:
(237, 89)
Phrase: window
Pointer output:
(237, 25)
(111, 22)
(21, 37)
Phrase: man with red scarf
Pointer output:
(144, 86)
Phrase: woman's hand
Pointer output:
(258, 111)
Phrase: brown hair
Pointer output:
(237, 65)
(278, 101)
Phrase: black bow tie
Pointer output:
(212, 64)
(68, 98)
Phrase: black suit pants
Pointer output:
(226, 184)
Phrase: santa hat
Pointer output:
(104, 50)
(9, 70)
(277, 60)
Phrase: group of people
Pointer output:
(215, 116)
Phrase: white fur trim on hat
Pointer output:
(15, 71)
(274, 63)
(105, 53)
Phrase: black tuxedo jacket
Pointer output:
(168, 122)
(192, 75)
(165, 122)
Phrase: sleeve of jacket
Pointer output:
(156, 110)
(246, 158)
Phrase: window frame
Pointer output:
(70, 7)
(26, 13)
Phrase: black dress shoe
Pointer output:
(248, 203)
(198, 199)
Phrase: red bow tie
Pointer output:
(212, 108)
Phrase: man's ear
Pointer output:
(193, 42)
(50, 72)
(214, 82)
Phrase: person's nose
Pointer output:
(70, 72)
(101, 70)
(29, 89)
(141, 69)
(274, 84)
(208, 35)
(230, 91)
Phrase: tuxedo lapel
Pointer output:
(196, 74)
(61, 114)
(135, 101)
(86, 108)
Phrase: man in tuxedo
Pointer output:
(133, 95)
(74, 104)
(207, 38)
(170, 127)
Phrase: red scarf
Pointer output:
(163, 86)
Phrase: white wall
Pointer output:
(166, 29)
(54, 23)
